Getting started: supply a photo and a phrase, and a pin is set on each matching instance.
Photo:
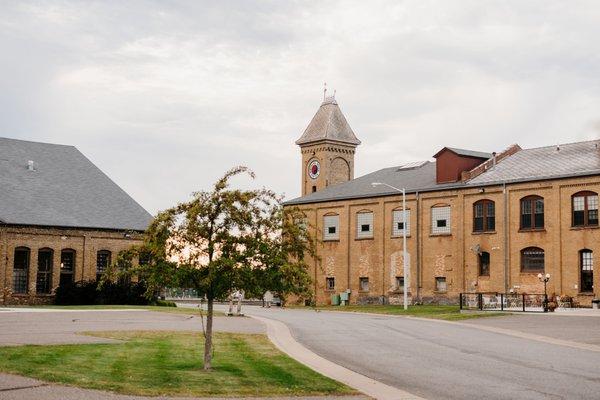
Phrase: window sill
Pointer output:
(532, 230)
(331, 240)
(399, 237)
(330, 290)
(365, 238)
(531, 272)
(585, 294)
(363, 291)
(484, 233)
(583, 228)
(440, 292)
(439, 234)
(484, 277)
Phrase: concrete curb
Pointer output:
(282, 338)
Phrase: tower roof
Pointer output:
(328, 124)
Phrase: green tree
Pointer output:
(222, 240)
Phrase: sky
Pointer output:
(165, 96)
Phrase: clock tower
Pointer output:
(327, 146)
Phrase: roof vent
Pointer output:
(412, 165)
(30, 165)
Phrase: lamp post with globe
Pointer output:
(545, 279)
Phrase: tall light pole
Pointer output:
(404, 254)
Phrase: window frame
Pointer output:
(581, 271)
(108, 262)
(27, 250)
(333, 237)
(368, 234)
(586, 194)
(532, 214)
(480, 264)
(43, 277)
(360, 284)
(328, 287)
(530, 270)
(448, 221)
(440, 279)
(65, 272)
(485, 217)
(398, 233)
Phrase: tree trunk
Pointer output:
(208, 336)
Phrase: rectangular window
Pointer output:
(440, 284)
(331, 225)
(539, 213)
(364, 223)
(363, 284)
(400, 284)
(532, 260)
(592, 210)
(484, 264)
(330, 283)
(440, 220)
(399, 223)
(478, 217)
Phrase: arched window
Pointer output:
(21, 270)
(67, 266)
(440, 219)
(43, 283)
(331, 227)
(103, 259)
(532, 212)
(484, 216)
(364, 224)
(585, 209)
(532, 260)
(484, 264)
(586, 264)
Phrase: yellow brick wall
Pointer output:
(453, 256)
(86, 243)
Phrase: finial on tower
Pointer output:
(324, 90)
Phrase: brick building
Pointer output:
(476, 222)
(61, 220)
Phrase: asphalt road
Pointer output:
(437, 360)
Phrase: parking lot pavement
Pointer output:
(56, 326)
(581, 329)
(445, 360)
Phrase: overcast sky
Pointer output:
(165, 96)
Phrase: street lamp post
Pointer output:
(545, 279)
(404, 254)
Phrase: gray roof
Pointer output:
(581, 158)
(328, 124)
(469, 153)
(575, 159)
(65, 189)
(415, 179)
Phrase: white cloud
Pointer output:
(165, 96)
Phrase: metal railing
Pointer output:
(514, 302)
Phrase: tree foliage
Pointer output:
(224, 240)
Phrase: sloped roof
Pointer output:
(65, 189)
(466, 153)
(421, 178)
(328, 124)
(572, 159)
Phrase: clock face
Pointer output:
(314, 168)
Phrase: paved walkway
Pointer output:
(53, 326)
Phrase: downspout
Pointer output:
(418, 234)
(506, 229)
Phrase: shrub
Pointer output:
(164, 303)
(87, 292)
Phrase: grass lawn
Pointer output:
(176, 310)
(167, 363)
(448, 313)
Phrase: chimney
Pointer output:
(30, 165)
